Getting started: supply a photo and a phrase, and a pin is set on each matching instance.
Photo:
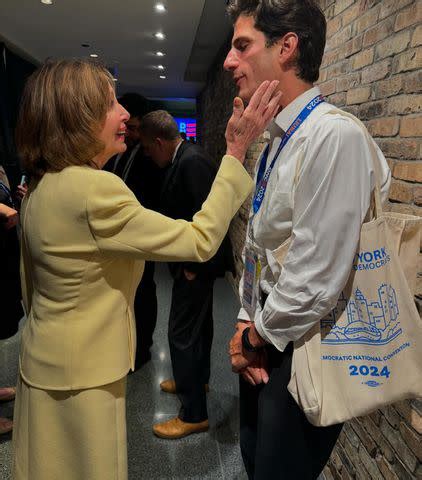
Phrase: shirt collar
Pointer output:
(287, 116)
(134, 150)
(176, 150)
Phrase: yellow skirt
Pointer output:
(70, 435)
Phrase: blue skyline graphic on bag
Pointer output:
(367, 322)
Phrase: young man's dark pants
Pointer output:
(276, 439)
(145, 314)
(190, 338)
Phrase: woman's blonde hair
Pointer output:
(63, 108)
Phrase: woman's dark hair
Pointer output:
(276, 18)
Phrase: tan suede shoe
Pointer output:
(169, 386)
(176, 428)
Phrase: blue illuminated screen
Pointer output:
(187, 125)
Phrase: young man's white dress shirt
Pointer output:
(318, 193)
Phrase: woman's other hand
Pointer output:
(246, 124)
(9, 216)
(189, 275)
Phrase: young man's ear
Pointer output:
(288, 46)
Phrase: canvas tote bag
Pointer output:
(367, 352)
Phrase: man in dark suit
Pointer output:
(143, 177)
(190, 172)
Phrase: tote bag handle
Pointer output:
(374, 156)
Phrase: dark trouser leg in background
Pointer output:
(145, 314)
(276, 439)
(190, 338)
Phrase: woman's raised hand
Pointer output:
(246, 124)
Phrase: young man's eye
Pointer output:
(242, 46)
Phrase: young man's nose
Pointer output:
(231, 62)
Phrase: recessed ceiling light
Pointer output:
(160, 7)
(162, 77)
(93, 55)
(160, 36)
(115, 79)
(160, 54)
(47, 2)
(160, 67)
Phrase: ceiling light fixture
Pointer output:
(160, 67)
(47, 2)
(115, 79)
(162, 77)
(160, 7)
(160, 35)
(160, 54)
(93, 55)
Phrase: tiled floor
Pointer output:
(211, 455)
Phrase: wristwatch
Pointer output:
(246, 344)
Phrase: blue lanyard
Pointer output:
(262, 179)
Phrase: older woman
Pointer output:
(84, 242)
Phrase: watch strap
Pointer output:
(246, 344)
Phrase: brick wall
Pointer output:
(371, 68)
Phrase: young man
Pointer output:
(314, 184)
(187, 182)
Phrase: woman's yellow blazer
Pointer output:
(84, 243)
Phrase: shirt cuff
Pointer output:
(243, 315)
(279, 342)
